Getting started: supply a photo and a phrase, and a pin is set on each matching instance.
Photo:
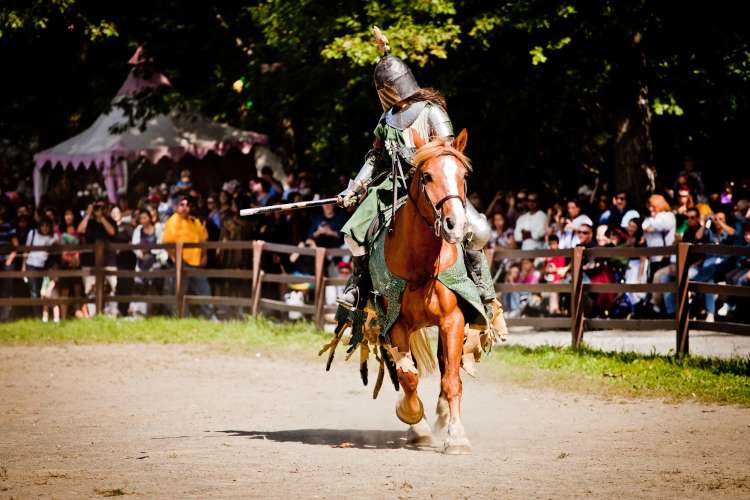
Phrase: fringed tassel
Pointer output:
(381, 376)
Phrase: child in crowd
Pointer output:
(49, 291)
(554, 271)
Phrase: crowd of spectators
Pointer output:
(683, 212)
(164, 213)
(526, 219)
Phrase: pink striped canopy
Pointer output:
(171, 135)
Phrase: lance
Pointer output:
(246, 212)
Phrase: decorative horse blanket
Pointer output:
(391, 288)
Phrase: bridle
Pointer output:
(436, 207)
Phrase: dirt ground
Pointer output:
(189, 422)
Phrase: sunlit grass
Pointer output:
(623, 373)
(253, 332)
(585, 370)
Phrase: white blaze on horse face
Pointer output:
(453, 222)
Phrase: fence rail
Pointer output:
(576, 322)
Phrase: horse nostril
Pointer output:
(450, 223)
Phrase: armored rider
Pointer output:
(406, 105)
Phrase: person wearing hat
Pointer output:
(584, 231)
(627, 217)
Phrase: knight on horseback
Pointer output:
(406, 106)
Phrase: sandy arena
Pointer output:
(190, 422)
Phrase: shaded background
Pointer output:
(553, 94)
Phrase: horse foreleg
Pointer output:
(451, 338)
(442, 411)
(409, 409)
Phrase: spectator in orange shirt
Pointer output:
(181, 227)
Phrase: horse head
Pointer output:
(439, 185)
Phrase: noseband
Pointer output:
(437, 208)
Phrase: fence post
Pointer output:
(179, 287)
(682, 313)
(256, 294)
(257, 254)
(320, 259)
(576, 298)
(99, 263)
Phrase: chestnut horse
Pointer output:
(423, 243)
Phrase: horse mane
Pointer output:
(440, 147)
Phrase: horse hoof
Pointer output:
(457, 449)
(412, 419)
(420, 434)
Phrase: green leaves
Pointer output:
(537, 55)
(36, 16)
(669, 106)
(541, 84)
(418, 31)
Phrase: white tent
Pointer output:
(171, 135)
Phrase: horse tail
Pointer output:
(419, 345)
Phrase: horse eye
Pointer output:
(426, 178)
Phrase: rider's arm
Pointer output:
(358, 186)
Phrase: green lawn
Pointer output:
(252, 333)
(624, 374)
(585, 370)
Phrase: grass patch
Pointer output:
(624, 373)
(250, 333)
(585, 370)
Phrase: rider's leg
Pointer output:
(358, 285)
(474, 268)
(477, 237)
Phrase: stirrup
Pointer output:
(346, 305)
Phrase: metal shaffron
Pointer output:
(246, 212)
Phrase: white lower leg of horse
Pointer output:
(443, 416)
(420, 434)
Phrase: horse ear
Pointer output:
(460, 142)
(418, 141)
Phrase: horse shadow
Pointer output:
(337, 438)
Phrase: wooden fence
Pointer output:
(576, 288)
(576, 322)
(180, 273)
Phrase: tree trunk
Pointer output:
(633, 150)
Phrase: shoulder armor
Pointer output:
(403, 119)
(440, 122)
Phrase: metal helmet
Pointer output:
(393, 80)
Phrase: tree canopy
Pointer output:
(549, 91)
